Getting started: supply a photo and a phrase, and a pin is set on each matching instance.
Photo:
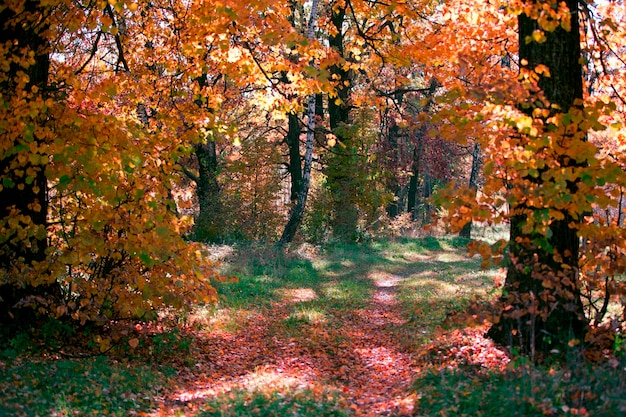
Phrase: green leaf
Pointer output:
(162, 231)
(64, 180)
(146, 259)
(7, 183)
(29, 135)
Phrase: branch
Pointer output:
(118, 41)
(92, 54)
(190, 174)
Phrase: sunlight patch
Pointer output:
(433, 287)
(298, 295)
(385, 298)
(384, 279)
(221, 319)
(417, 257)
(265, 278)
(309, 315)
(273, 378)
(451, 257)
(220, 253)
(336, 292)
(262, 379)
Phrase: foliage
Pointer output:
(276, 403)
(548, 175)
(575, 390)
(316, 222)
(115, 241)
(339, 330)
(87, 386)
(252, 191)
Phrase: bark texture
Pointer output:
(543, 305)
(345, 214)
(24, 188)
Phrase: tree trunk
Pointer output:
(394, 208)
(23, 182)
(297, 211)
(418, 150)
(209, 223)
(345, 214)
(414, 181)
(466, 232)
(295, 160)
(543, 305)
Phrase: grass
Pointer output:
(316, 290)
(596, 390)
(275, 403)
(94, 386)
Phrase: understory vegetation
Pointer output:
(391, 327)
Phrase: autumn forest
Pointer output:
(162, 158)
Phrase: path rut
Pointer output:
(362, 360)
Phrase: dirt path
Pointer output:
(382, 386)
(360, 359)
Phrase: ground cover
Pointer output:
(382, 329)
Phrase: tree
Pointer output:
(94, 178)
(542, 161)
(345, 215)
(24, 95)
(303, 180)
(466, 231)
(542, 282)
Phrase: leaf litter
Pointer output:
(360, 361)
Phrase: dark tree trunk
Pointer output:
(22, 173)
(295, 160)
(297, 211)
(544, 308)
(209, 223)
(418, 150)
(302, 192)
(394, 208)
(413, 185)
(466, 232)
(415, 176)
(345, 214)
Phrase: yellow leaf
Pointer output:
(539, 36)
(542, 69)
(106, 20)
(105, 344)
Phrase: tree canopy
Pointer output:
(134, 132)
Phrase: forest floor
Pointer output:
(386, 329)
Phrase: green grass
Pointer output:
(596, 390)
(94, 386)
(432, 278)
(273, 404)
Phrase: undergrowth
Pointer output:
(317, 289)
(573, 390)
